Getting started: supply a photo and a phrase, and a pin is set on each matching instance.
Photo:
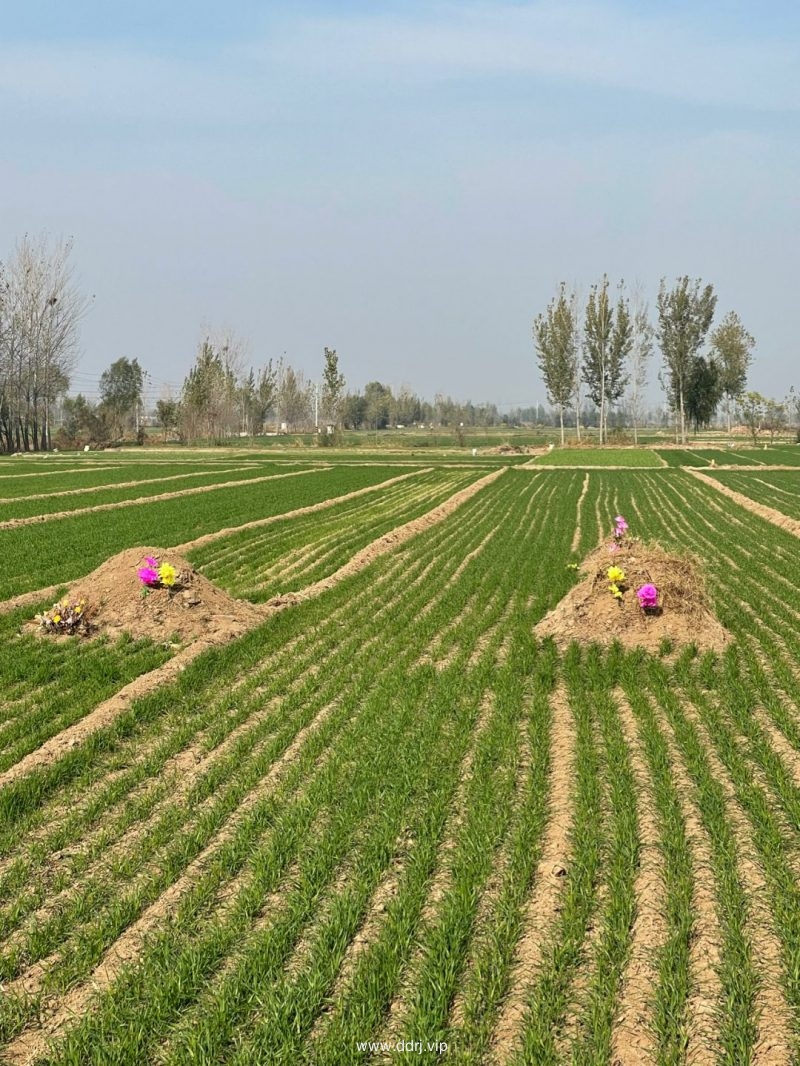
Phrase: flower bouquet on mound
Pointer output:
(621, 542)
(68, 617)
(158, 574)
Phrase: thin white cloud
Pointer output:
(590, 44)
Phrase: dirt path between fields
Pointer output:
(109, 710)
(576, 537)
(777, 518)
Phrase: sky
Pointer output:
(405, 182)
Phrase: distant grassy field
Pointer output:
(622, 457)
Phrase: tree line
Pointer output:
(594, 356)
(602, 351)
(223, 397)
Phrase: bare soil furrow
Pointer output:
(545, 901)
(633, 1043)
(777, 518)
(705, 1001)
(576, 537)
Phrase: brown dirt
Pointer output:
(590, 614)
(576, 537)
(215, 619)
(777, 518)
(513, 449)
(705, 1001)
(633, 1041)
(545, 902)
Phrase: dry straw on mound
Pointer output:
(194, 609)
(589, 613)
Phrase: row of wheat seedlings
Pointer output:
(35, 502)
(259, 563)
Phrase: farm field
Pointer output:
(778, 455)
(779, 489)
(702, 457)
(580, 457)
(389, 823)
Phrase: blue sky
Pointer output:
(405, 182)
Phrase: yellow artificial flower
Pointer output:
(56, 618)
(167, 574)
(615, 575)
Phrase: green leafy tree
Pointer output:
(354, 410)
(555, 336)
(685, 313)
(732, 348)
(703, 392)
(607, 339)
(121, 393)
(168, 415)
(83, 423)
(379, 401)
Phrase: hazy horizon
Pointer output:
(407, 185)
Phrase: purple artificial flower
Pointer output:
(648, 596)
(148, 575)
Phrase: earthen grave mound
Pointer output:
(194, 609)
(589, 613)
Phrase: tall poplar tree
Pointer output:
(555, 335)
(607, 339)
(685, 313)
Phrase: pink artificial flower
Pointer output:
(148, 575)
(648, 596)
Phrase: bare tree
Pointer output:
(40, 312)
(642, 336)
